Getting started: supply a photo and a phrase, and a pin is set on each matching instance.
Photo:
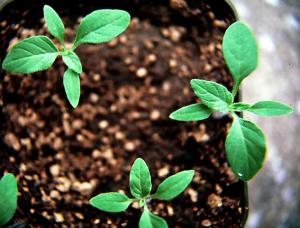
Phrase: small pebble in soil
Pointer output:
(79, 215)
(58, 217)
(13, 141)
(151, 58)
(214, 200)
(175, 35)
(141, 72)
(193, 194)
(64, 184)
(154, 115)
(129, 146)
(170, 210)
(54, 170)
(84, 188)
(103, 124)
(206, 223)
(55, 194)
(163, 171)
(94, 98)
(172, 63)
(135, 205)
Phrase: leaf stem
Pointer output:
(235, 90)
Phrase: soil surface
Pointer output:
(63, 156)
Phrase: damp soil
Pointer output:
(64, 156)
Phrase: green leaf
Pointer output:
(193, 112)
(245, 148)
(140, 179)
(31, 55)
(54, 23)
(212, 94)
(240, 52)
(72, 87)
(149, 220)
(174, 185)
(8, 199)
(239, 107)
(270, 108)
(101, 26)
(72, 61)
(111, 202)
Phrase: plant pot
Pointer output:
(63, 156)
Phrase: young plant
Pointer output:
(8, 198)
(38, 53)
(245, 143)
(140, 188)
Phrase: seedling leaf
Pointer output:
(54, 23)
(140, 179)
(111, 202)
(174, 185)
(240, 52)
(245, 148)
(193, 112)
(213, 95)
(101, 26)
(72, 61)
(239, 107)
(149, 220)
(72, 86)
(270, 108)
(31, 55)
(8, 199)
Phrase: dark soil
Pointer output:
(64, 156)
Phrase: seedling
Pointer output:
(140, 188)
(8, 198)
(245, 143)
(38, 53)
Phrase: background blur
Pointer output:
(275, 192)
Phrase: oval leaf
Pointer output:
(245, 148)
(240, 52)
(72, 87)
(8, 199)
(239, 107)
(111, 202)
(31, 55)
(193, 112)
(54, 23)
(140, 179)
(174, 185)
(149, 220)
(213, 95)
(270, 108)
(101, 26)
(72, 61)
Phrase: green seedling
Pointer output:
(8, 198)
(38, 53)
(140, 188)
(245, 143)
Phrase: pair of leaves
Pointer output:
(8, 199)
(38, 53)
(140, 187)
(245, 143)
(214, 97)
(140, 182)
